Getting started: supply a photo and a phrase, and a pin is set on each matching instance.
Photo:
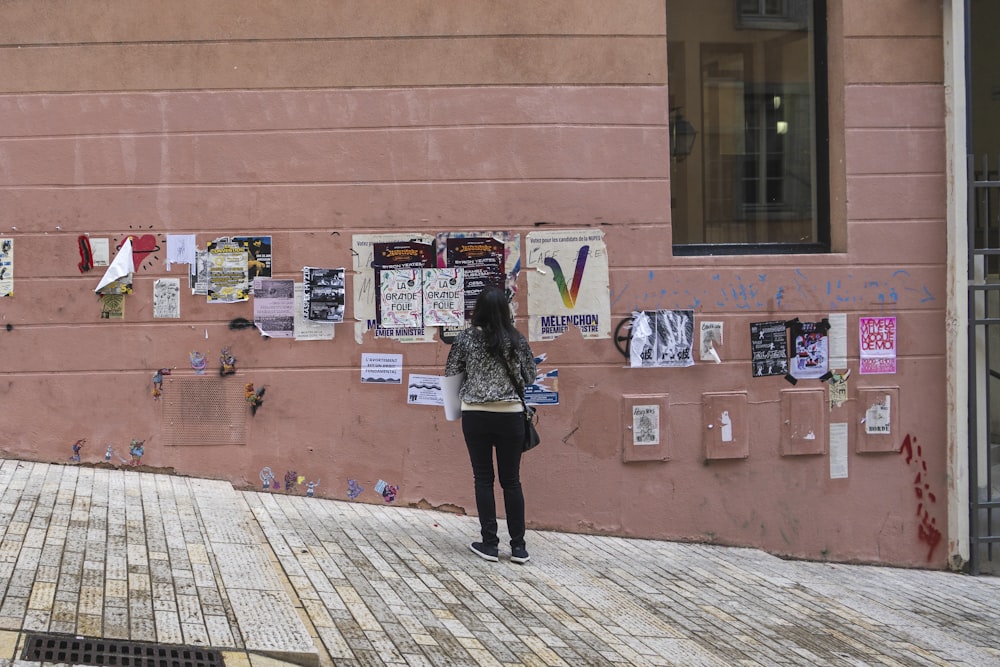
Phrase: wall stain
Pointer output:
(761, 294)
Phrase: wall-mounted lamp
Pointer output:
(682, 134)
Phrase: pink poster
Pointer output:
(878, 344)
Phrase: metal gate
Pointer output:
(984, 364)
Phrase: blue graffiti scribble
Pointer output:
(778, 296)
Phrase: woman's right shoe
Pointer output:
(484, 551)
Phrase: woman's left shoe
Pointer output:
(519, 555)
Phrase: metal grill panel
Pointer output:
(204, 410)
(984, 364)
(114, 653)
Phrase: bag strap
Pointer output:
(518, 386)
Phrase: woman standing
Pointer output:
(497, 363)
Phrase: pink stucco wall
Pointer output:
(226, 135)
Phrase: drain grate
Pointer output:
(72, 650)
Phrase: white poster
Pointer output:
(645, 424)
(424, 390)
(710, 335)
(181, 249)
(878, 416)
(444, 297)
(567, 284)
(167, 297)
(381, 368)
(274, 307)
(100, 251)
(401, 298)
(838, 451)
(837, 340)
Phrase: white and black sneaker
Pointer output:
(484, 551)
(519, 555)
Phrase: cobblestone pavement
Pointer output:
(131, 555)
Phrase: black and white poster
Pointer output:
(769, 348)
(662, 339)
(323, 294)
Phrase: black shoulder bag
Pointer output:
(531, 438)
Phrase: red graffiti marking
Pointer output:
(927, 530)
(907, 447)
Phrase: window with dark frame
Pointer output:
(748, 126)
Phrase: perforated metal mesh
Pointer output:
(81, 651)
(204, 410)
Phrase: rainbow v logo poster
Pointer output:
(567, 283)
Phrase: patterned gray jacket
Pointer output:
(486, 377)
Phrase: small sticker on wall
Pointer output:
(387, 491)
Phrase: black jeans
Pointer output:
(503, 431)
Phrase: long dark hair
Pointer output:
(492, 315)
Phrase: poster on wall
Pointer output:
(662, 339)
(878, 416)
(401, 303)
(167, 298)
(810, 350)
(6, 267)
(228, 280)
(303, 328)
(112, 306)
(101, 251)
(567, 284)
(323, 294)
(381, 368)
(424, 390)
(181, 249)
(198, 272)
(444, 297)
(507, 255)
(258, 256)
(710, 335)
(482, 260)
(878, 345)
(645, 425)
(769, 348)
(545, 389)
(363, 258)
(274, 307)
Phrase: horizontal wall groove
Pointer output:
(348, 88)
(390, 129)
(347, 38)
(306, 184)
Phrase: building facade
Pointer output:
(761, 171)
